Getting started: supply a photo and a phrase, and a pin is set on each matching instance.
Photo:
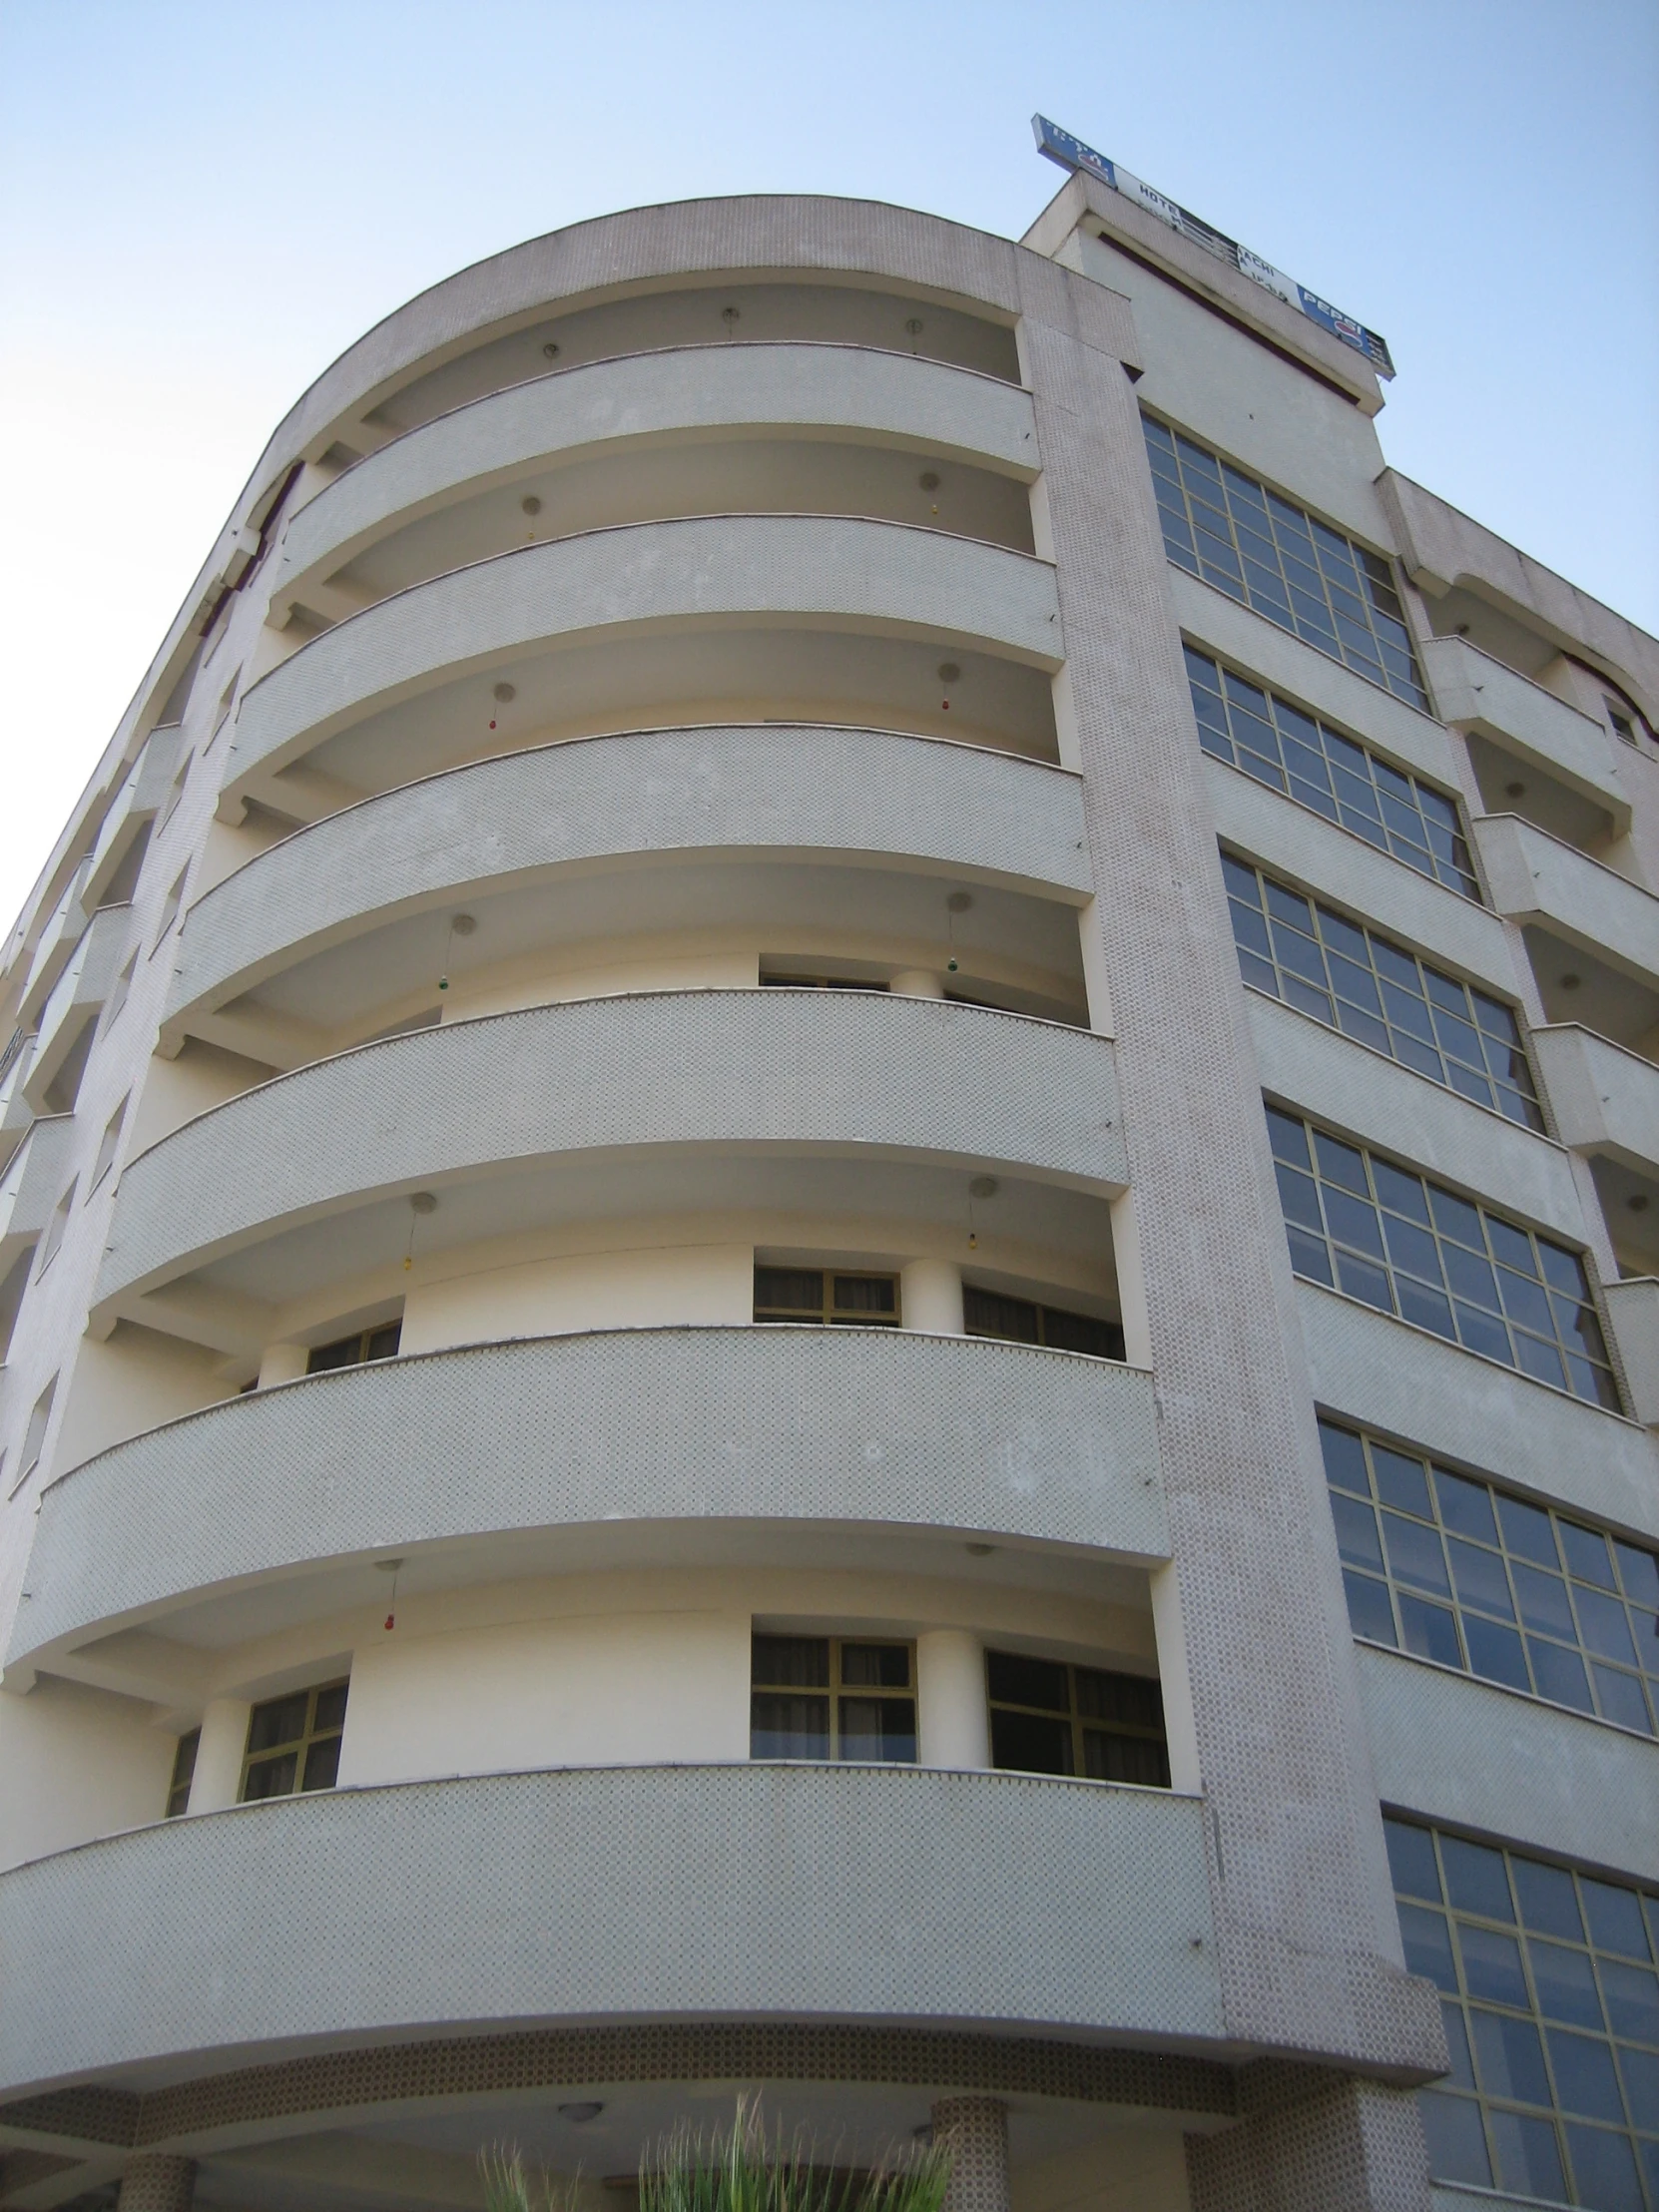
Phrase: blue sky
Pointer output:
(201, 204)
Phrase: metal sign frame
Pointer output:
(1072, 154)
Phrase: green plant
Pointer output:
(738, 2169)
(508, 2186)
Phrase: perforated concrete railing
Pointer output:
(841, 1426)
(790, 1069)
(875, 576)
(691, 389)
(495, 824)
(853, 1892)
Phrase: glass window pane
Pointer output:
(1466, 1506)
(1480, 1578)
(1401, 1482)
(1017, 1680)
(791, 1661)
(1528, 2157)
(1639, 1572)
(1356, 1537)
(783, 1727)
(1415, 1555)
(1412, 1859)
(795, 1289)
(1584, 2078)
(322, 1763)
(1632, 1995)
(1548, 1900)
(1509, 2057)
(1528, 1532)
(1428, 1943)
(1430, 1631)
(1615, 1917)
(1344, 1459)
(1493, 1966)
(1559, 1675)
(876, 1666)
(1543, 1601)
(1640, 2071)
(1586, 1551)
(1476, 1878)
(1030, 1743)
(1496, 1652)
(271, 1778)
(1567, 1983)
(1370, 1610)
(878, 1728)
(866, 1294)
(1456, 2141)
(1604, 2169)
(1604, 1625)
(330, 1708)
(280, 1721)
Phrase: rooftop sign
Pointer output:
(1071, 153)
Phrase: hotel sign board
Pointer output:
(1071, 153)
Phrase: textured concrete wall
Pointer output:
(824, 389)
(1536, 878)
(1413, 1386)
(798, 1892)
(1479, 1756)
(1305, 1921)
(497, 824)
(1403, 1114)
(844, 1425)
(876, 576)
(778, 1067)
(1301, 848)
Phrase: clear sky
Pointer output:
(201, 204)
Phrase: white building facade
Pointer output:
(830, 1241)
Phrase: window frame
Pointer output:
(1495, 1973)
(1482, 1603)
(184, 1774)
(1381, 1228)
(1081, 1723)
(834, 1691)
(1393, 996)
(826, 1315)
(1282, 562)
(1226, 720)
(1044, 1315)
(300, 1746)
(364, 1339)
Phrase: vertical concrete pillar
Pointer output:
(219, 1755)
(915, 983)
(1308, 2143)
(281, 1364)
(950, 1695)
(975, 2132)
(158, 2181)
(930, 1294)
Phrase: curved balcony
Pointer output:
(513, 822)
(558, 1453)
(440, 645)
(901, 1894)
(832, 395)
(925, 265)
(474, 1109)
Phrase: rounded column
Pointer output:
(158, 2181)
(930, 1294)
(915, 983)
(219, 1755)
(951, 1688)
(974, 2130)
